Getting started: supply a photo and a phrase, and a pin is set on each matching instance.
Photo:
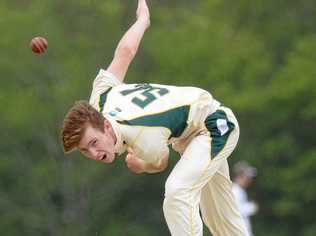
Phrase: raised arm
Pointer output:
(129, 43)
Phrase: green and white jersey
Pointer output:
(149, 117)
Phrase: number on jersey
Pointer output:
(146, 90)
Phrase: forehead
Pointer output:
(88, 134)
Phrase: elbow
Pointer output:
(163, 164)
(126, 52)
(163, 167)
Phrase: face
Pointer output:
(246, 181)
(97, 145)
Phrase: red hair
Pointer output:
(80, 115)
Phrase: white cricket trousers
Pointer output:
(202, 180)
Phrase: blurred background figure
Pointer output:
(243, 177)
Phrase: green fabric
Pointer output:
(175, 120)
(218, 141)
(146, 92)
(103, 97)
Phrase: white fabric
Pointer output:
(149, 143)
(246, 208)
(196, 179)
(119, 145)
(222, 126)
(103, 81)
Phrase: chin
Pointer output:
(110, 159)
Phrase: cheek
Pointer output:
(109, 141)
(107, 144)
(112, 146)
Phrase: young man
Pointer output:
(243, 176)
(144, 119)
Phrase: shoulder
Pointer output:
(105, 79)
(102, 83)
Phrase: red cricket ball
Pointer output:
(39, 44)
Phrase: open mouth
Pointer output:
(103, 157)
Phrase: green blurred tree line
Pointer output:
(257, 57)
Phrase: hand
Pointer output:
(134, 163)
(142, 12)
(253, 207)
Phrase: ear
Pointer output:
(107, 125)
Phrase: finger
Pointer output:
(130, 150)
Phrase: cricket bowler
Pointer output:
(144, 119)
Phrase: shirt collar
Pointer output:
(119, 145)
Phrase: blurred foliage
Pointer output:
(258, 57)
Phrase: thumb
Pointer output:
(130, 150)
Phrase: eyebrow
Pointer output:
(85, 149)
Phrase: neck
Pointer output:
(112, 132)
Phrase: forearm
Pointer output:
(138, 165)
(248, 208)
(130, 41)
(127, 48)
(155, 168)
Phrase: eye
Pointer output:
(94, 142)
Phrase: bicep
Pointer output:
(120, 63)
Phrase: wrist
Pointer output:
(144, 20)
(153, 168)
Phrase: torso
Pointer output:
(150, 115)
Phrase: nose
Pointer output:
(94, 153)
